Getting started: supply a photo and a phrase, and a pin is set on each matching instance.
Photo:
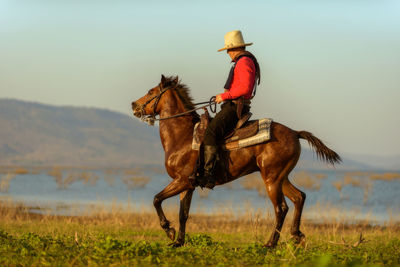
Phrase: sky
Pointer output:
(328, 67)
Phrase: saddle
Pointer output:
(246, 133)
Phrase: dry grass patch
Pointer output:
(136, 181)
(307, 180)
(21, 170)
(56, 173)
(302, 179)
(338, 184)
(359, 179)
(388, 176)
(249, 227)
(254, 181)
(5, 182)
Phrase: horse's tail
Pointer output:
(323, 152)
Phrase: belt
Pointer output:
(246, 102)
(240, 103)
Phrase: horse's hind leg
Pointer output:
(186, 198)
(273, 184)
(175, 187)
(298, 198)
(281, 209)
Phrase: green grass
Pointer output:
(201, 249)
(117, 239)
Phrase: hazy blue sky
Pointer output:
(329, 67)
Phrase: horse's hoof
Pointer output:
(270, 245)
(171, 233)
(298, 238)
(176, 244)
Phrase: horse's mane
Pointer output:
(184, 94)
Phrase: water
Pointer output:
(375, 200)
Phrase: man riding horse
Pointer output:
(274, 159)
(239, 89)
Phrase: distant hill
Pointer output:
(38, 134)
(379, 162)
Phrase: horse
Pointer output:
(274, 159)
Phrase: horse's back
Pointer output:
(284, 146)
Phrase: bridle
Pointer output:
(150, 119)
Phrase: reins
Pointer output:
(189, 111)
(150, 119)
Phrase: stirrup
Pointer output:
(202, 181)
(193, 180)
(208, 181)
(210, 184)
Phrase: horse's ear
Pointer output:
(163, 79)
(176, 80)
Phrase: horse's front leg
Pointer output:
(186, 199)
(175, 187)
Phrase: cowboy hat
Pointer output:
(234, 39)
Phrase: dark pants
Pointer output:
(222, 124)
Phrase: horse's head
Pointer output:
(148, 105)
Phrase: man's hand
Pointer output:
(218, 98)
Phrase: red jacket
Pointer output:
(243, 80)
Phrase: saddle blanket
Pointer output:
(263, 134)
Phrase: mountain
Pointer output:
(379, 162)
(37, 134)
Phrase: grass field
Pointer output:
(118, 237)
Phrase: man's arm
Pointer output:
(243, 80)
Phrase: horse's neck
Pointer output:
(177, 132)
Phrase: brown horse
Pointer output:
(274, 159)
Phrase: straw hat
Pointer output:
(234, 39)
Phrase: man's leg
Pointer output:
(223, 123)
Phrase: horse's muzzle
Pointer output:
(136, 110)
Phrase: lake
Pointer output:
(354, 196)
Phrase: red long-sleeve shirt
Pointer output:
(243, 80)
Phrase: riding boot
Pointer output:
(210, 158)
